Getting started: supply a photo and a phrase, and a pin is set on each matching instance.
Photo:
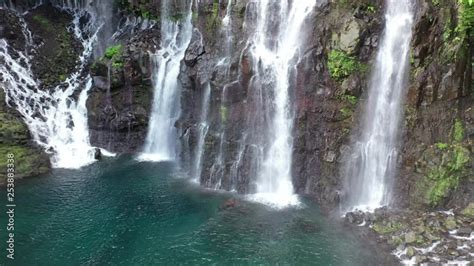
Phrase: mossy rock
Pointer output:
(12, 130)
(469, 210)
(443, 167)
(387, 228)
(28, 161)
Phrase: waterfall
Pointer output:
(203, 128)
(217, 170)
(161, 138)
(56, 120)
(372, 164)
(275, 58)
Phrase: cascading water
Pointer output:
(161, 138)
(56, 120)
(218, 168)
(372, 164)
(203, 128)
(275, 58)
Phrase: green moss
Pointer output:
(458, 131)
(387, 228)
(341, 65)
(442, 146)
(346, 112)
(224, 113)
(215, 9)
(371, 8)
(28, 161)
(117, 65)
(466, 16)
(348, 98)
(12, 129)
(469, 210)
(445, 177)
(113, 51)
(212, 21)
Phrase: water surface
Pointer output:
(124, 212)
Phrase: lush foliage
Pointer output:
(458, 131)
(466, 16)
(341, 65)
(113, 51)
(445, 177)
(348, 98)
(114, 54)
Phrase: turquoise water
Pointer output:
(124, 212)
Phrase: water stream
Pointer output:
(372, 166)
(161, 138)
(55, 118)
(275, 58)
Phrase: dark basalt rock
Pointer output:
(57, 50)
(119, 104)
(97, 154)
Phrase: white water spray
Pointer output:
(372, 165)
(276, 58)
(55, 119)
(203, 128)
(161, 138)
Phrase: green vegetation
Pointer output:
(442, 146)
(113, 51)
(445, 177)
(341, 65)
(117, 65)
(11, 128)
(215, 9)
(458, 131)
(387, 228)
(28, 161)
(444, 166)
(224, 113)
(348, 98)
(212, 21)
(466, 16)
(114, 54)
(459, 32)
(346, 112)
(371, 8)
(469, 210)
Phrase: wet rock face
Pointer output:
(30, 160)
(328, 107)
(10, 29)
(56, 50)
(439, 104)
(119, 103)
(327, 104)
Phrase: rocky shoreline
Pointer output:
(420, 237)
